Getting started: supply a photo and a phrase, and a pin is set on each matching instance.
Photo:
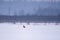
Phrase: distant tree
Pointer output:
(1, 3)
(22, 12)
(58, 15)
(39, 11)
(15, 13)
(28, 14)
(58, 12)
(34, 11)
(0, 13)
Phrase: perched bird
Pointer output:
(24, 26)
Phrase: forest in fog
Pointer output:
(32, 11)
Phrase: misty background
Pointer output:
(36, 27)
(29, 7)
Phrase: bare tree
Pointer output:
(21, 12)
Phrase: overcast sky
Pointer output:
(26, 6)
(33, 0)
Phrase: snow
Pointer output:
(34, 31)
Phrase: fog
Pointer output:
(33, 0)
(32, 31)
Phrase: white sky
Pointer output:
(31, 32)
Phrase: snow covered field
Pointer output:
(34, 31)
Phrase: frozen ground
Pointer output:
(34, 31)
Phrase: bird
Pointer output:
(24, 26)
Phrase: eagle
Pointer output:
(24, 26)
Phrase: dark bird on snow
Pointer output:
(24, 26)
